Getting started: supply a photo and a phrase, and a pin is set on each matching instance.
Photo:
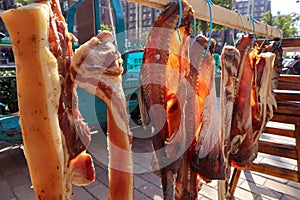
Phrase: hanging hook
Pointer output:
(210, 3)
(180, 19)
(280, 42)
(267, 32)
(254, 31)
(242, 20)
(244, 28)
(180, 14)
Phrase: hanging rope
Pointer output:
(237, 11)
(209, 3)
(280, 42)
(267, 32)
(180, 14)
(254, 30)
(244, 28)
(180, 19)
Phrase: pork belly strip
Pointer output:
(230, 60)
(199, 81)
(242, 149)
(263, 70)
(197, 90)
(274, 47)
(161, 90)
(261, 92)
(97, 67)
(76, 132)
(236, 108)
(208, 156)
(241, 128)
(53, 165)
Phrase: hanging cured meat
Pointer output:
(230, 60)
(162, 90)
(237, 125)
(275, 47)
(206, 149)
(97, 67)
(263, 99)
(54, 134)
(248, 107)
(198, 81)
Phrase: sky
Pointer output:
(284, 6)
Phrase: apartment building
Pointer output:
(252, 7)
(138, 19)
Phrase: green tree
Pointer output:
(283, 22)
(268, 18)
(24, 2)
(203, 25)
(104, 27)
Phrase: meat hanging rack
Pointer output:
(221, 16)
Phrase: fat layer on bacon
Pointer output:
(53, 168)
(38, 116)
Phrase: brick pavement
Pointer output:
(15, 182)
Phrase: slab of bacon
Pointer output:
(97, 67)
(263, 100)
(163, 89)
(230, 60)
(207, 155)
(54, 134)
(275, 48)
(236, 107)
(201, 101)
(247, 107)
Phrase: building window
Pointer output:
(103, 13)
(250, 8)
(131, 26)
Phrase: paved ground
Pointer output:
(15, 182)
